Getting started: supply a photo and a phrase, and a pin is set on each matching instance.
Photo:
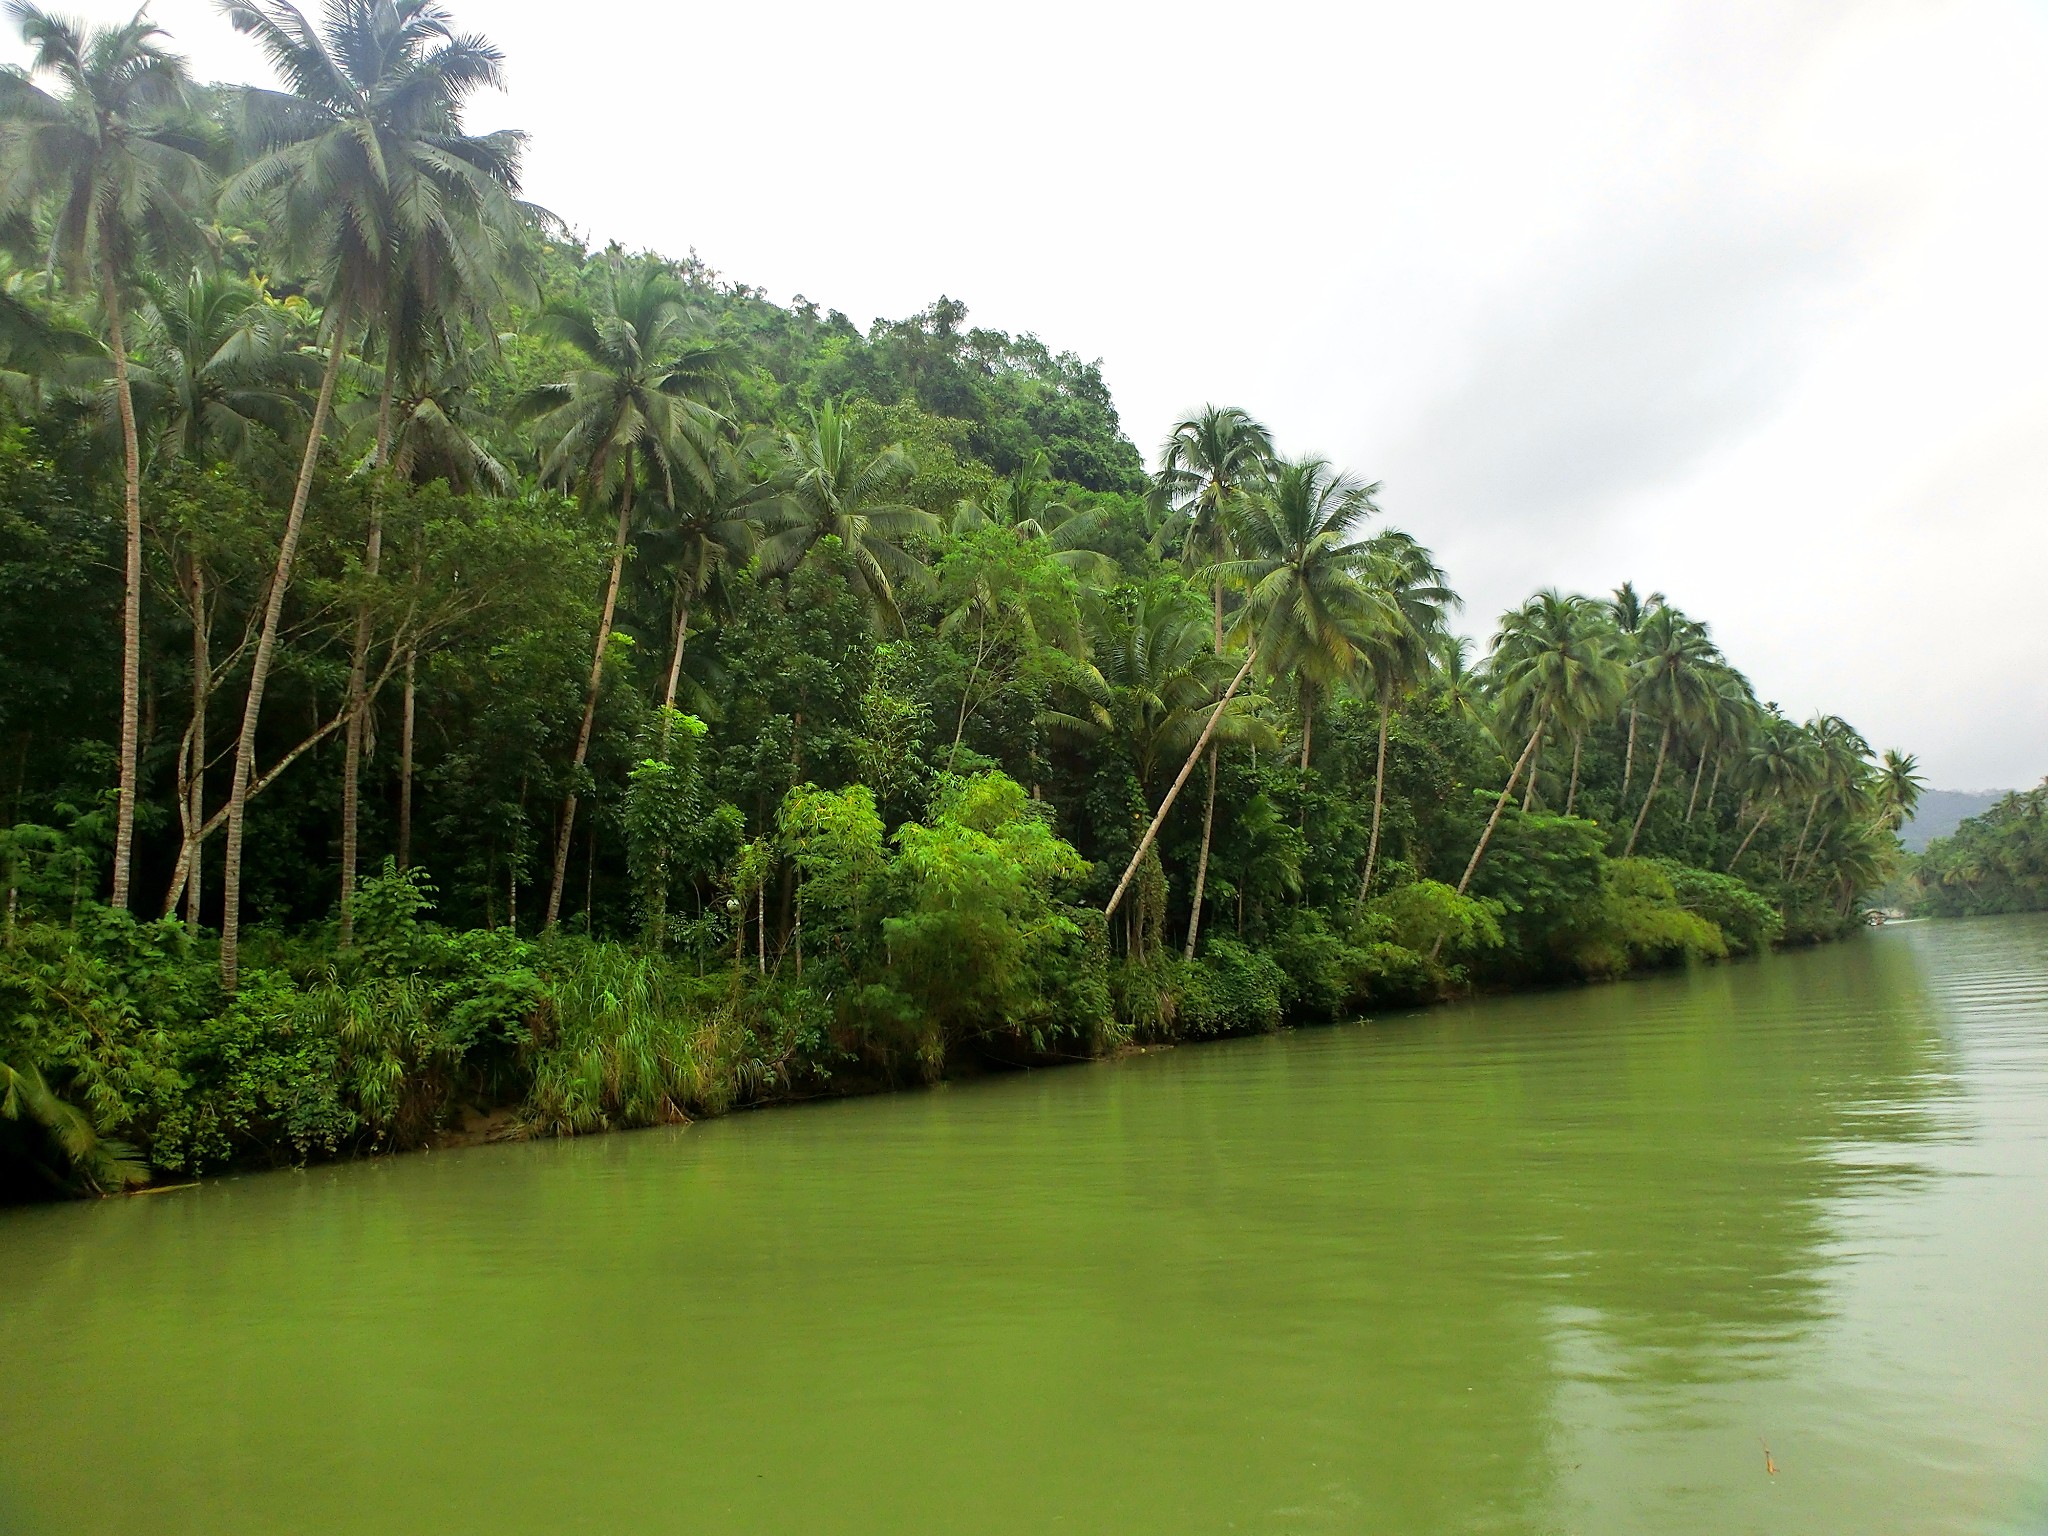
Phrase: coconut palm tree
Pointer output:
(827, 489)
(1209, 461)
(1898, 788)
(220, 373)
(1153, 686)
(367, 171)
(1842, 765)
(1030, 504)
(1310, 610)
(636, 401)
(1628, 610)
(700, 538)
(1398, 655)
(218, 378)
(1675, 663)
(125, 179)
(1550, 665)
(1782, 762)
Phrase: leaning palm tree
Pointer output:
(1398, 654)
(1783, 762)
(1207, 464)
(1551, 667)
(1898, 788)
(829, 489)
(367, 171)
(1152, 686)
(1843, 763)
(635, 401)
(1675, 664)
(124, 180)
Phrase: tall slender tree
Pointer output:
(416, 218)
(1549, 666)
(1675, 664)
(1207, 464)
(1398, 654)
(123, 173)
(635, 403)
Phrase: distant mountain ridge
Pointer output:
(1941, 811)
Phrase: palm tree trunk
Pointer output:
(1186, 768)
(1762, 815)
(1506, 794)
(131, 596)
(1379, 797)
(358, 714)
(1650, 794)
(1799, 849)
(266, 649)
(1628, 761)
(359, 654)
(675, 658)
(1571, 798)
(967, 692)
(1202, 864)
(405, 741)
(1499, 805)
(1529, 796)
(604, 635)
(1308, 726)
(1699, 772)
(195, 789)
(1713, 786)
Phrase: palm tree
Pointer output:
(221, 372)
(126, 180)
(1782, 761)
(1030, 505)
(1207, 464)
(636, 400)
(1153, 686)
(1675, 662)
(1842, 764)
(701, 537)
(1627, 611)
(829, 490)
(1898, 788)
(1309, 609)
(1398, 654)
(218, 381)
(368, 171)
(1723, 727)
(1551, 666)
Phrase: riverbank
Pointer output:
(140, 1070)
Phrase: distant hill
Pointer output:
(1941, 811)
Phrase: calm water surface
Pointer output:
(1566, 1263)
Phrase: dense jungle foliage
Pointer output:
(454, 678)
(1996, 862)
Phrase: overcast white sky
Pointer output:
(1746, 302)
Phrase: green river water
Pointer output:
(1556, 1263)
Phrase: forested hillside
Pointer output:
(1993, 862)
(447, 670)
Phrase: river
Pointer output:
(1758, 1247)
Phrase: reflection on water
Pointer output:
(1559, 1263)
